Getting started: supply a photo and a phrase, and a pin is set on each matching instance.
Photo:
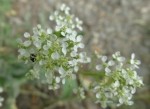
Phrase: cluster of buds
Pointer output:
(1, 98)
(55, 52)
(120, 80)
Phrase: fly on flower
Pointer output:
(33, 57)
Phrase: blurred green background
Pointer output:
(109, 26)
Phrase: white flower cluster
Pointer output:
(120, 80)
(55, 52)
(1, 98)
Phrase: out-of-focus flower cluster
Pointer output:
(54, 52)
(120, 80)
(1, 98)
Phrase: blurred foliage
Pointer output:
(12, 71)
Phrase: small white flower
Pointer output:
(63, 33)
(49, 31)
(64, 50)
(67, 10)
(98, 67)
(60, 17)
(37, 44)
(76, 68)
(111, 63)
(79, 27)
(69, 30)
(57, 28)
(121, 100)
(133, 90)
(23, 52)
(49, 43)
(55, 55)
(79, 38)
(63, 81)
(107, 70)
(57, 79)
(73, 54)
(63, 6)
(27, 43)
(73, 62)
(61, 71)
(120, 59)
(130, 103)
(45, 47)
(104, 58)
(98, 95)
(116, 84)
(80, 45)
(26, 35)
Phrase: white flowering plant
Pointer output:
(119, 82)
(56, 54)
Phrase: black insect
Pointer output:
(33, 57)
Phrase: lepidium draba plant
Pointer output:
(55, 54)
(119, 82)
